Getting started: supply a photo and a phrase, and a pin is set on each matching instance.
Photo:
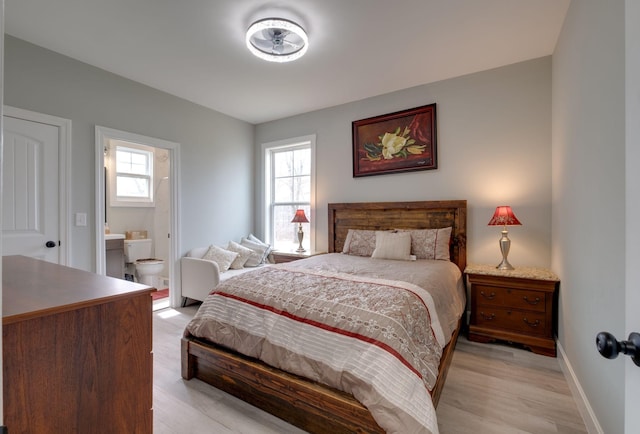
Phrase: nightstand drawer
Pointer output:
(534, 323)
(515, 298)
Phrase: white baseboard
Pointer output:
(588, 416)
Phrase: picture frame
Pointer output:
(402, 141)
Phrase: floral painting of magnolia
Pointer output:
(398, 142)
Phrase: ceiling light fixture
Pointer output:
(277, 40)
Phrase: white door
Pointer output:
(632, 157)
(30, 176)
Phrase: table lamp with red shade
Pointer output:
(504, 216)
(300, 218)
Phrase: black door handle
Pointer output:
(610, 347)
(50, 244)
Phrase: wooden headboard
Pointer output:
(401, 215)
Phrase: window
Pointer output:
(131, 180)
(288, 187)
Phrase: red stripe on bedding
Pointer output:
(326, 327)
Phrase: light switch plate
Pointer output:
(81, 219)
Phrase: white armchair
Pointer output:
(200, 276)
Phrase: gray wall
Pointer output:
(494, 148)
(589, 196)
(216, 186)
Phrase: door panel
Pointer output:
(30, 216)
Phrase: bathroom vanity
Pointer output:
(114, 258)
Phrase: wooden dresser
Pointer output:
(77, 350)
(518, 306)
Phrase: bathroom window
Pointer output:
(131, 180)
(289, 185)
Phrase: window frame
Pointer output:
(130, 201)
(267, 191)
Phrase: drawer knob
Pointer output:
(531, 302)
(535, 323)
(488, 317)
(488, 297)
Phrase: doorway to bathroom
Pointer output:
(137, 209)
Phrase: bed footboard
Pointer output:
(307, 405)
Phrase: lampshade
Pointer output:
(300, 217)
(504, 216)
(277, 40)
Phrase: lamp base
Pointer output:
(505, 245)
(504, 265)
(300, 238)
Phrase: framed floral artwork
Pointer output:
(396, 142)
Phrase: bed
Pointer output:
(309, 404)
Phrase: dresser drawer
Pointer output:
(515, 298)
(528, 322)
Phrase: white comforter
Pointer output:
(347, 322)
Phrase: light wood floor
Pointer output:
(492, 389)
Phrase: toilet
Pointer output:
(138, 253)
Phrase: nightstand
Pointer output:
(519, 306)
(281, 256)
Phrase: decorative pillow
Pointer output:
(267, 254)
(259, 254)
(220, 256)
(430, 243)
(255, 239)
(243, 255)
(393, 245)
(359, 242)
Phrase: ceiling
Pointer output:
(195, 49)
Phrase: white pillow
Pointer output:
(255, 239)
(220, 256)
(259, 252)
(393, 245)
(243, 255)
